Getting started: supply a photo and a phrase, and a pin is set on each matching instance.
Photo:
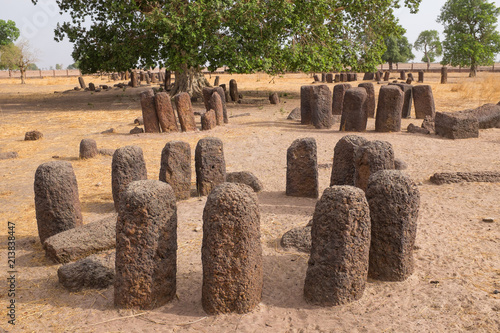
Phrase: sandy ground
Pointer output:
(457, 254)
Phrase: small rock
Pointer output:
(109, 131)
(298, 238)
(136, 130)
(245, 177)
(488, 219)
(33, 135)
(98, 184)
(400, 164)
(8, 155)
(139, 121)
(496, 292)
(434, 282)
(106, 151)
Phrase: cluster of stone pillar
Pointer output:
(215, 100)
(337, 77)
(158, 113)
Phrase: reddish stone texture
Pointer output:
(370, 98)
(185, 112)
(233, 90)
(423, 101)
(390, 104)
(215, 103)
(371, 157)
(209, 164)
(175, 168)
(302, 169)
(88, 149)
(344, 154)
(354, 117)
(165, 113)
(134, 82)
(149, 115)
(338, 97)
(208, 120)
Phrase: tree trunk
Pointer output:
(473, 70)
(390, 65)
(428, 61)
(189, 80)
(23, 75)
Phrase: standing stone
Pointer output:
(329, 78)
(165, 113)
(323, 77)
(354, 117)
(344, 155)
(91, 86)
(146, 246)
(57, 204)
(302, 169)
(407, 98)
(315, 106)
(444, 75)
(175, 168)
(147, 78)
(149, 115)
(337, 78)
(141, 76)
(126, 75)
(402, 75)
(390, 104)
(216, 81)
(343, 77)
(423, 101)
(127, 166)
(82, 82)
(88, 149)
(394, 202)
(338, 97)
(377, 76)
(168, 79)
(370, 98)
(207, 95)
(133, 79)
(410, 76)
(208, 120)
(316, 78)
(274, 98)
(233, 90)
(420, 76)
(215, 103)
(209, 164)
(154, 78)
(368, 76)
(387, 75)
(231, 252)
(185, 112)
(371, 157)
(338, 265)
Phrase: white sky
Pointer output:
(37, 24)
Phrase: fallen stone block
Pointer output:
(462, 177)
(245, 177)
(456, 125)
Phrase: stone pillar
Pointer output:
(82, 82)
(377, 76)
(316, 78)
(329, 78)
(233, 90)
(165, 113)
(368, 76)
(407, 98)
(57, 204)
(146, 246)
(444, 75)
(394, 201)
(316, 106)
(323, 77)
(402, 75)
(387, 75)
(88, 149)
(168, 79)
(134, 80)
(127, 75)
(147, 78)
(423, 101)
(274, 98)
(338, 97)
(420, 76)
(337, 78)
(354, 117)
(185, 112)
(175, 168)
(127, 166)
(371, 157)
(207, 95)
(390, 104)
(344, 154)
(231, 250)
(370, 98)
(91, 86)
(216, 81)
(215, 103)
(343, 77)
(302, 169)
(149, 115)
(208, 120)
(338, 265)
(209, 164)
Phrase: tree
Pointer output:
(8, 32)
(74, 66)
(247, 36)
(18, 56)
(398, 50)
(471, 38)
(59, 66)
(428, 42)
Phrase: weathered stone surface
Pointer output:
(415, 129)
(370, 98)
(390, 104)
(134, 81)
(57, 204)
(81, 81)
(402, 74)
(316, 78)
(175, 168)
(420, 76)
(323, 77)
(185, 112)
(387, 75)
(368, 76)
(407, 98)
(274, 98)
(231, 250)
(208, 120)
(394, 202)
(336, 79)
(7, 155)
(354, 116)
(399, 164)
(127, 166)
(233, 90)
(344, 155)
(338, 265)
(444, 75)
(207, 95)
(423, 101)
(93, 272)
(378, 76)
(487, 115)
(338, 97)
(245, 177)
(88, 148)
(461, 177)
(80, 242)
(456, 125)
(146, 246)
(216, 81)
(109, 131)
(429, 124)
(306, 104)
(302, 169)
(106, 151)
(209, 164)
(136, 130)
(215, 103)
(91, 86)
(329, 77)
(373, 156)
(165, 113)
(297, 238)
(343, 77)
(149, 115)
(316, 106)
(33, 135)
(294, 115)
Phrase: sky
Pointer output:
(37, 24)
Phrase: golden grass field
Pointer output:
(454, 246)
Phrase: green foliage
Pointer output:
(75, 65)
(59, 66)
(429, 43)
(32, 67)
(18, 57)
(471, 38)
(252, 35)
(8, 32)
(398, 49)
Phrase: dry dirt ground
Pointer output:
(457, 254)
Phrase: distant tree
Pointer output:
(398, 50)
(59, 66)
(428, 42)
(18, 56)
(8, 32)
(33, 67)
(471, 37)
(75, 65)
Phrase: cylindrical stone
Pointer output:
(147, 78)
(233, 90)
(371, 157)
(165, 113)
(337, 78)
(215, 103)
(81, 81)
(423, 101)
(407, 98)
(175, 168)
(91, 86)
(168, 78)
(343, 77)
(368, 76)
(209, 164)
(316, 78)
(389, 107)
(420, 76)
(146, 246)
(387, 75)
(208, 120)
(134, 80)
(338, 265)
(149, 115)
(323, 77)
(231, 250)
(274, 98)
(377, 76)
(338, 97)
(444, 75)
(88, 149)
(302, 169)
(402, 75)
(370, 98)
(316, 106)
(127, 166)
(344, 154)
(216, 81)
(185, 112)
(57, 204)
(394, 201)
(209, 105)
(354, 117)
(329, 78)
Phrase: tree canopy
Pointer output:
(429, 43)
(8, 32)
(471, 38)
(398, 49)
(18, 56)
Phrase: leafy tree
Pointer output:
(428, 42)
(33, 67)
(247, 36)
(471, 38)
(8, 32)
(398, 50)
(59, 66)
(18, 56)
(74, 66)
